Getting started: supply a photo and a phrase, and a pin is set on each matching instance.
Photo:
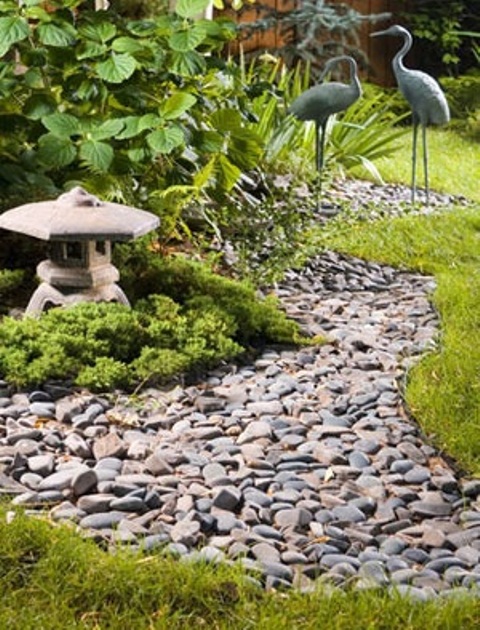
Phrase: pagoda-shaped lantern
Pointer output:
(80, 229)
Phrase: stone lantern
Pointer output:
(80, 229)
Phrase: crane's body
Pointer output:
(323, 100)
(425, 97)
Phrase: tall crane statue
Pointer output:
(319, 102)
(427, 101)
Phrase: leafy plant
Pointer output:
(125, 107)
(9, 280)
(463, 94)
(366, 132)
(443, 31)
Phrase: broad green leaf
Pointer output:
(190, 8)
(165, 140)
(208, 141)
(137, 155)
(56, 152)
(108, 129)
(187, 63)
(97, 155)
(12, 30)
(177, 105)
(53, 35)
(226, 119)
(130, 129)
(245, 149)
(149, 121)
(142, 28)
(39, 105)
(88, 90)
(116, 69)
(188, 39)
(227, 173)
(38, 13)
(90, 50)
(62, 125)
(102, 32)
(205, 174)
(127, 45)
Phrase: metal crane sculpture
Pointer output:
(319, 102)
(427, 101)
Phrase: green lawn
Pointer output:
(454, 163)
(53, 580)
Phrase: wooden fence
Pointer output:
(379, 51)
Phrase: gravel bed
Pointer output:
(304, 465)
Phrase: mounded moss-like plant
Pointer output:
(192, 284)
(463, 94)
(104, 346)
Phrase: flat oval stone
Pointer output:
(102, 520)
(43, 409)
(84, 481)
(128, 504)
(62, 479)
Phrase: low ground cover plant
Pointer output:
(184, 317)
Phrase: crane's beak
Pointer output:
(391, 30)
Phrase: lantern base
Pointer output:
(81, 277)
(46, 295)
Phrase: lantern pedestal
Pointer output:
(46, 295)
(77, 271)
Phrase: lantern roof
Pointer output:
(79, 216)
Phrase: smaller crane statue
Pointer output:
(319, 102)
(427, 101)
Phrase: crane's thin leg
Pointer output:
(322, 145)
(414, 160)
(425, 162)
(319, 153)
(317, 160)
(319, 139)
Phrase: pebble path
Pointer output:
(304, 465)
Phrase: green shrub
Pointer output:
(463, 94)
(188, 283)
(443, 34)
(203, 319)
(105, 374)
(9, 280)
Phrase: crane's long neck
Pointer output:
(397, 62)
(354, 81)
